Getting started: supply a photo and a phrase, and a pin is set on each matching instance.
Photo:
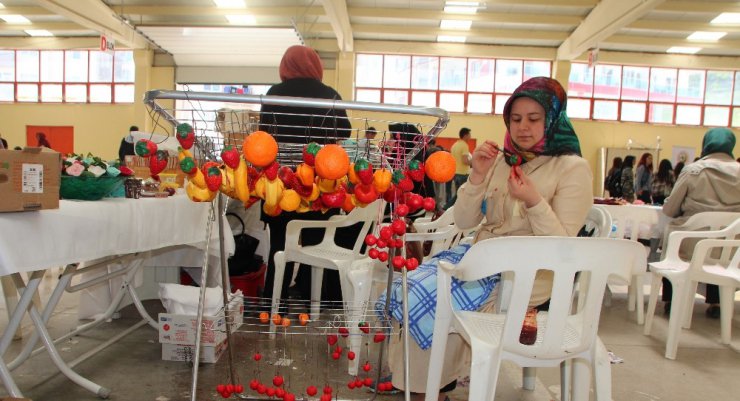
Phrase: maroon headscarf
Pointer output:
(301, 62)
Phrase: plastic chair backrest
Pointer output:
(600, 221)
(522, 257)
(726, 226)
(368, 215)
(728, 246)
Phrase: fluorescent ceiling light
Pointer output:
(38, 32)
(241, 19)
(727, 18)
(229, 3)
(683, 50)
(15, 19)
(460, 10)
(453, 39)
(455, 24)
(703, 35)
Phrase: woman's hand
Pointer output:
(483, 158)
(522, 188)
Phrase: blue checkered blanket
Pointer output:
(422, 285)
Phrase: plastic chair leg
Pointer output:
(277, 287)
(689, 305)
(607, 297)
(566, 379)
(602, 373)
(678, 309)
(436, 357)
(484, 371)
(637, 281)
(529, 378)
(317, 278)
(581, 369)
(655, 285)
(726, 309)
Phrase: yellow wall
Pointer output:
(98, 128)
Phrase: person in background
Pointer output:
(301, 73)
(712, 183)
(644, 177)
(550, 194)
(677, 169)
(612, 182)
(3, 143)
(461, 152)
(662, 182)
(126, 148)
(628, 179)
(42, 141)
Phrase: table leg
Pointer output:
(11, 301)
(38, 323)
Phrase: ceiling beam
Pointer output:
(608, 17)
(215, 11)
(24, 10)
(424, 14)
(49, 26)
(95, 15)
(435, 31)
(336, 10)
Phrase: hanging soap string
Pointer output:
(511, 158)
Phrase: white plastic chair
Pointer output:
(328, 255)
(632, 218)
(684, 277)
(561, 336)
(443, 233)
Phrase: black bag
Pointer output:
(614, 184)
(244, 260)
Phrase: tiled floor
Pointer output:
(133, 369)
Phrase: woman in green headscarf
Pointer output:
(539, 185)
(711, 183)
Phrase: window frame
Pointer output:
(439, 92)
(40, 82)
(647, 102)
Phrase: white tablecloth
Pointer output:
(81, 231)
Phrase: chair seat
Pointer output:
(673, 266)
(488, 327)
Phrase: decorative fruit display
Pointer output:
(440, 166)
(332, 162)
(260, 148)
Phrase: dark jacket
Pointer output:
(304, 124)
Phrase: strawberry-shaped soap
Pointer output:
(311, 390)
(343, 331)
(188, 166)
(309, 153)
(145, 148)
(230, 156)
(364, 171)
(158, 162)
(415, 170)
(379, 337)
(185, 135)
(364, 326)
(271, 171)
(213, 178)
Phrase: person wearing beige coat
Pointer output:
(549, 194)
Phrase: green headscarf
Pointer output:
(718, 140)
(560, 137)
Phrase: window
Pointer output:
(660, 95)
(75, 76)
(457, 84)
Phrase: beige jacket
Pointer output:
(711, 184)
(565, 183)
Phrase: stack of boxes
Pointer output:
(177, 334)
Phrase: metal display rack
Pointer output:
(220, 120)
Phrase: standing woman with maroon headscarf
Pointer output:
(301, 73)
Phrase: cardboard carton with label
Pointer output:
(29, 179)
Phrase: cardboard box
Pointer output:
(186, 353)
(180, 329)
(29, 179)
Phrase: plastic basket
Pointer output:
(88, 188)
